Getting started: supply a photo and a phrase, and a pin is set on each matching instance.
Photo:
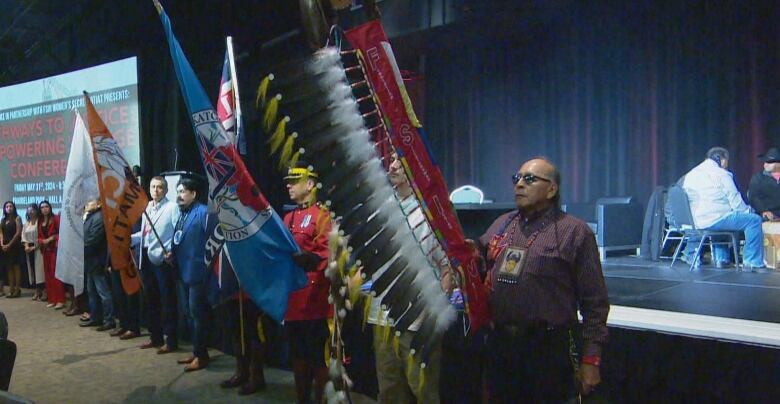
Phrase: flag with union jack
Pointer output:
(259, 244)
(228, 105)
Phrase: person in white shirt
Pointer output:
(158, 277)
(398, 380)
(716, 204)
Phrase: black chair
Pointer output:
(681, 218)
(7, 359)
(616, 222)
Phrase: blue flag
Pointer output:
(221, 282)
(259, 245)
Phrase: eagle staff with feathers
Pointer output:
(323, 110)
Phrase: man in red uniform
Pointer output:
(308, 309)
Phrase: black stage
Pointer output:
(710, 335)
(729, 293)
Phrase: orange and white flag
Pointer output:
(121, 195)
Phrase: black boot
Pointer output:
(256, 380)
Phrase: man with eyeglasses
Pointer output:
(544, 267)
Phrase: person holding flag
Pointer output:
(157, 276)
(188, 255)
(121, 196)
(96, 267)
(308, 312)
(242, 319)
(259, 245)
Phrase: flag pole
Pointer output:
(234, 84)
(149, 220)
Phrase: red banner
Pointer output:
(402, 124)
(122, 197)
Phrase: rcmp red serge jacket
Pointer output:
(311, 302)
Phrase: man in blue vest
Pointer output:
(187, 255)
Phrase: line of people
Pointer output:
(717, 204)
(32, 245)
(543, 267)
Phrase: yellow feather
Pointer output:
(352, 270)
(260, 330)
(271, 110)
(342, 261)
(262, 91)
(409, 365)
(421, 378)
(277, 138)
(295, 157)
(396, 346)
(354, 292)
(284, 156)
(386, 331)
(366, 309)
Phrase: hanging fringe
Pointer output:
(271, 110)
(260, 329)
(409, 366)
(421, 381)
(342, 262)
(354, 291)
(277, 138)
(286, 154)
(366, 310)
(262, 91)
(328, 343)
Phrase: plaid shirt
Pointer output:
(562, 273)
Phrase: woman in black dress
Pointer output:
(11, 244)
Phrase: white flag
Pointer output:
(80, 187)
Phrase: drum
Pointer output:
(771, 244)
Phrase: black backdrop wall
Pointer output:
(623, 96)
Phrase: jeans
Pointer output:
(126, 305)
(750, 223)
(99, 288)
(195, 297)
(160, 297)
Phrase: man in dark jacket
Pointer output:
(764, 189)
(95, 267)
(187, 254)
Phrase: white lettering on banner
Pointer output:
(373, 56)
(249, 228)
(202, 117)
(440, 210)
(421, 167)
(405, 131)
(108, 96)
(214, 245)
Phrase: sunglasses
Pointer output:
(529, 178)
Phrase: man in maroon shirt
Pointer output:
(544, 267)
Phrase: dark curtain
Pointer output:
(167, 138)
(622, 96)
